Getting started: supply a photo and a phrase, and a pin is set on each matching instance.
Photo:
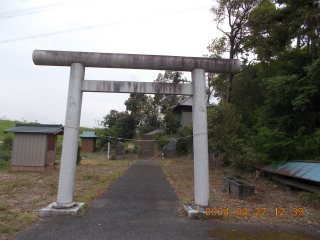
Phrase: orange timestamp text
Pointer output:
(254, 212)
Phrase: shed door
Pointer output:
(51, 149)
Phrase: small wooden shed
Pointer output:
(88, 142)
(34, 146)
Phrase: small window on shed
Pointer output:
(51, 144)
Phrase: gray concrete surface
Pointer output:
(200, 139)
(136, 87)
(139, 205)
(70, 138)
(135, 61)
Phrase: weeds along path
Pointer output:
(271, 204)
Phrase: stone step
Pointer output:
(147, 149)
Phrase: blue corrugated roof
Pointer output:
(88, 134)
(305, 170)
(35, 128)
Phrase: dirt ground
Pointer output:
(271, 204)
(24, 194)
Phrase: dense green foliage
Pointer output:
(162, 139)
(120, 124)
(5, 151)
(5, 124)
(184, 141)
(274, 112)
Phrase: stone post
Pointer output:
(200, 139)
(70, 139)
(108, 150)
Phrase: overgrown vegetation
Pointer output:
(5, 124)
(24, 194)
(270, 111)
(309, 199)
(5, 151)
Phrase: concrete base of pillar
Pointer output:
(199, 212)
(49, 211)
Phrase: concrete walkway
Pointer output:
(139, 205)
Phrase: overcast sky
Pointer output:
(30, 92)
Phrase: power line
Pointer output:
(43, 8)
(101, 25)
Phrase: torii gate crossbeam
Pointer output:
(77, 85)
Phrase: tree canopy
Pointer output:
(272, 112)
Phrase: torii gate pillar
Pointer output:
(70, 139)
(200, 139)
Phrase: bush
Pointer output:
(307, 198)
(5, 157)
(185, 145)
(164, 140)
(136, 150)
(7, 143)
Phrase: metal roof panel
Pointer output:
(304, 170)
(88, 134)
(35, 128)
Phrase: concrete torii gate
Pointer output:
(77, 85)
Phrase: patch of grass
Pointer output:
(90, 176)
(35, 200)
(113, 157)
(54, 188)
(7, 218)
(53, 185)
(39, 178)
(10, 228)
(91, 163)
(103, 180)
(28, 218)
(199, 216)
(81, 212)
(185, 200)
(307, 198)
(9, 186)
(3, 206)
(115, 176)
